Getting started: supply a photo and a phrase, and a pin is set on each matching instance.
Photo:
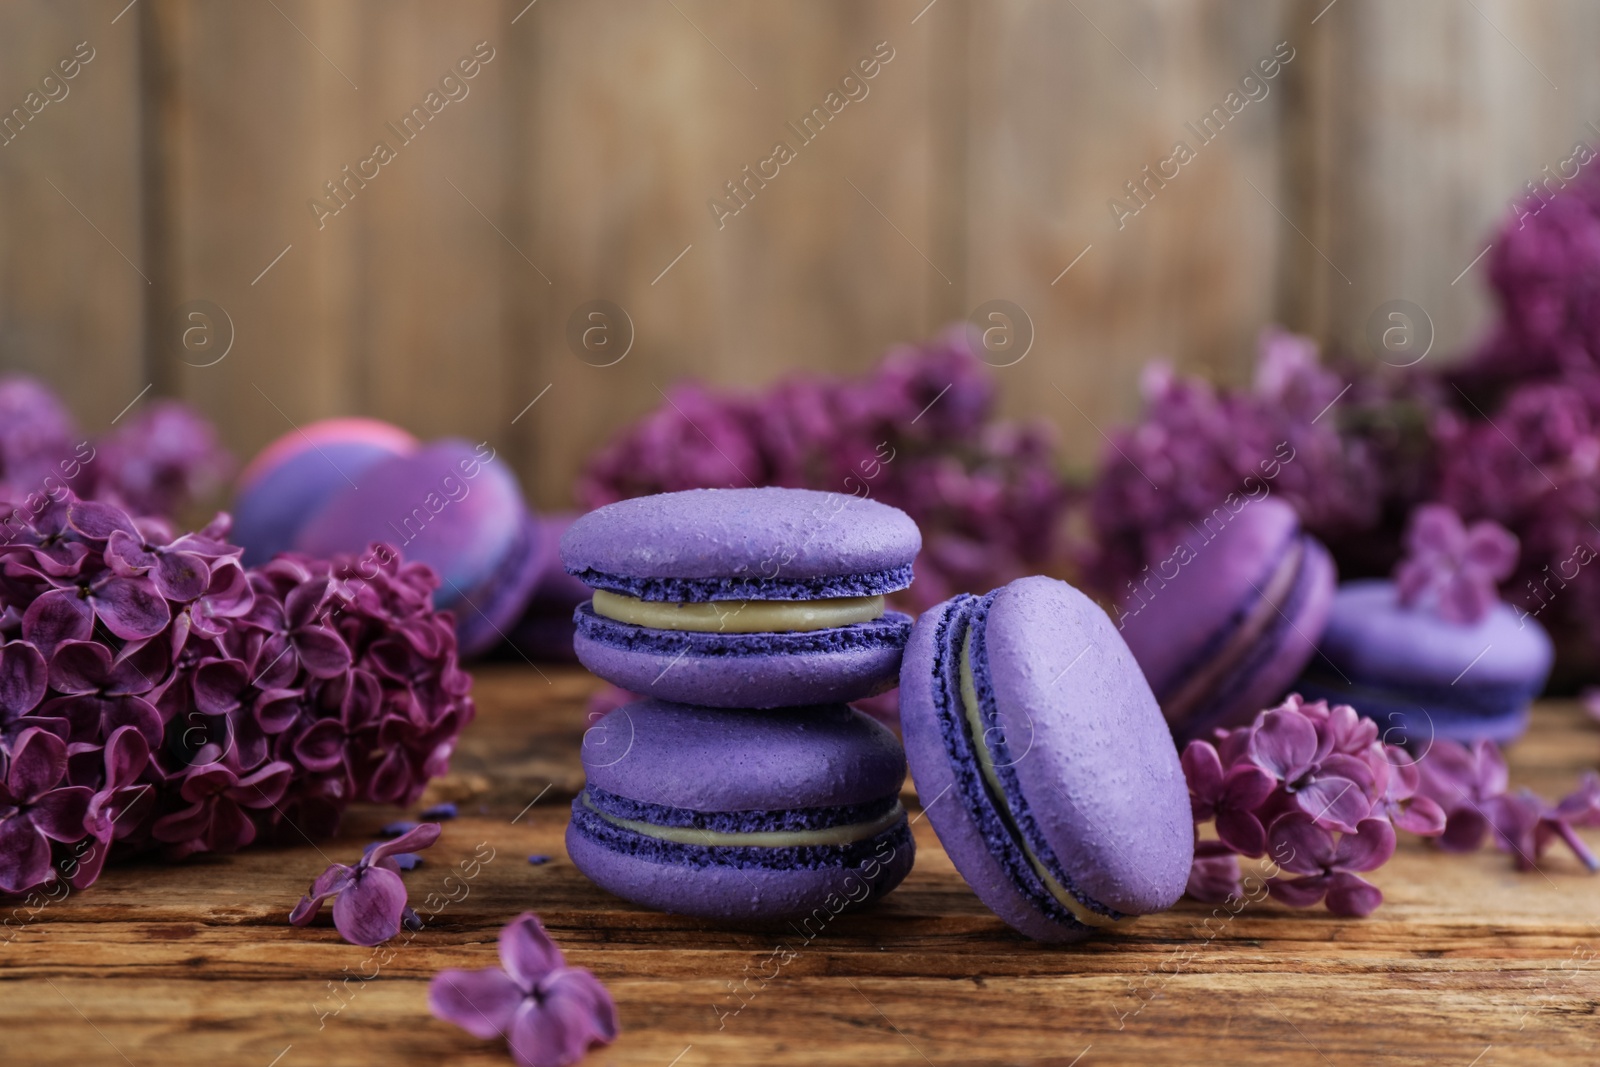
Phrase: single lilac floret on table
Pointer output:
(548, 1013)
(369, 899)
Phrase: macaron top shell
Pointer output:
(1076, 731)
(291, 479)
(1372, 637)
(682, 756)
(769, 543)
(1186, 610)
(447, 506)
(380, 437)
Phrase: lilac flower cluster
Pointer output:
(1315, 789)
(1534, 467)
(1544, 269)
(155, 695)
(1453, 570)
(1197, 444)
(162, 459)
(917, 432)
(1522, 443)
(1472, 787)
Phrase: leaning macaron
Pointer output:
(1436, 652)
(1043, 762)
(1224, 623)
(290, 480)
(751, 598)
(801, 818)
(455, 507)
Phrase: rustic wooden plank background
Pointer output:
(1468, 962)
(979, 166)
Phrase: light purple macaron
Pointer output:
(456, 507)
(1043, 762)
(740, 815)
(1420, 676)
(743, 553)
(1224, 624)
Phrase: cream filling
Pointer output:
(969, 704)
(687, 835)
(739, 616)
(1280, 587)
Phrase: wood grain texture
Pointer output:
(193, 964)
(1420, 124)
(1070, 104)
(73, 263)
(982, 162)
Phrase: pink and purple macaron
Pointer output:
(1043, 762)
(801, 818)
(455, 507)
(1225, 623)
(1436, 652)
(743, 598)
(293, 477)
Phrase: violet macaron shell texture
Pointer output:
(1090, 779)
(1225, 625)
(1421, 677)
(741, 771)
(734, 544)
(456, 508)
(290, 480)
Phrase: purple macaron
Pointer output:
(1043, 762)
(293, 477)
(743, 598)
(455, 507)
(741, 814)
(546, 628)
(1419, 676)
(1225, 623)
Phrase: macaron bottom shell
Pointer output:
(1415, 716)
(487, 611)
(759, 670)
(739, 883)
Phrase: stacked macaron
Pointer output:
(745, 787)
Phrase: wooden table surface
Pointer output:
(1468, 962)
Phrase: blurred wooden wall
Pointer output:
(180, 163)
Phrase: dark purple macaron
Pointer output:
(1419, 676)
(1043, 762)
(751, 598)
(455, 507)
(1225, 623)
(740, 814)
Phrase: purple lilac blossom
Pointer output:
(549, 1014)
(156, 696)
